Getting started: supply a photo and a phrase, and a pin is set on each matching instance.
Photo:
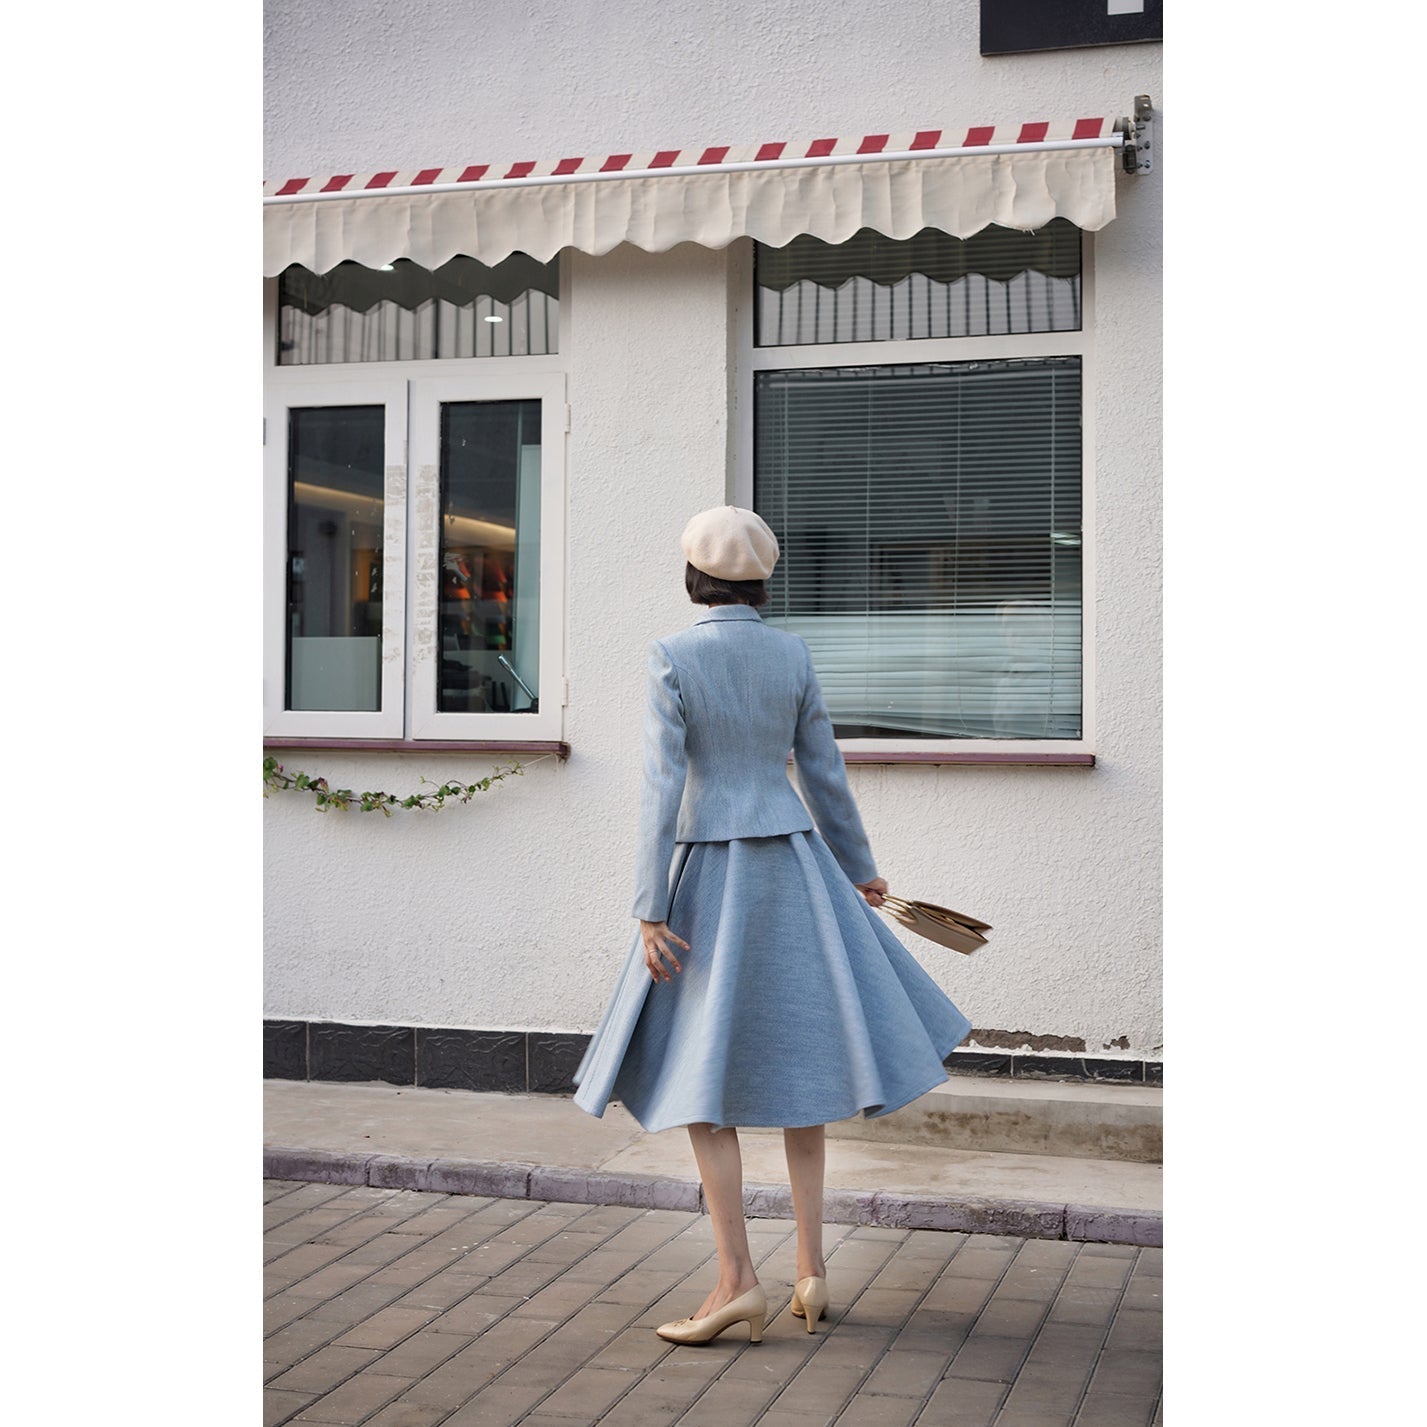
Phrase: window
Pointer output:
(488, 462)
(406, 313)
(414, 530)
(928, 506)
(489, 555)
(336, 531)
(929, 522)
(876, 289)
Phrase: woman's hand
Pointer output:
(874, 891)
(657, 937)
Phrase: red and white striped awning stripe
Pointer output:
(712, 158)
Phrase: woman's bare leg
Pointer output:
(806, 1149)
(721, 1169)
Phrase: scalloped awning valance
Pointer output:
(958, 181)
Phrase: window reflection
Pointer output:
(876, 289)
(929, 519)
(405, 312)
(334, 558)
(489, 613)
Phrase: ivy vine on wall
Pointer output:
(276, 777)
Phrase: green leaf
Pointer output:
(327, 797)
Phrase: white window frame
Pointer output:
(385, 722)
(410, 594)
(750, 360)
(428, 394)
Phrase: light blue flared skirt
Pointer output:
(797, 1005)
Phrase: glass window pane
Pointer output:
(490, 557)
(876, 289)
(334, 557)
(403, 312)
(929, 522)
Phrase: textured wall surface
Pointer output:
(514, 911)
(359, 85)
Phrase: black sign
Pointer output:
(1017, 26)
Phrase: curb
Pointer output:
(1027, 1219)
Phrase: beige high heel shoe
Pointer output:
(750, 1308)
(810, 1299)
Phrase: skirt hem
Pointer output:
(801, 1124)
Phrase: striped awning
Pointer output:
(955, 180)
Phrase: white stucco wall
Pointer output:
(513, 912)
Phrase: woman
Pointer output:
(761, 990)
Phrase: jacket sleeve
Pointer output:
(665, 765)
(822, 776)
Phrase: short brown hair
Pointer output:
(709, 589)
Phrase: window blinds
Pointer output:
(929, 521)
(873, 288)
(406, 312)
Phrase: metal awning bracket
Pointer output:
(1136, 154)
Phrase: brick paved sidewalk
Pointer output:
(395, 1308)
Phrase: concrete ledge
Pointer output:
(850, 1206)
(767, 1201)
(321, 1166)
(390, 1171)
(1114, 1226)
(1020, 1218)
(1073, 1119)
(465, 1176)
(639, 1191)
(972, 1216)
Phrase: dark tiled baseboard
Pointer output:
(441, 1058)
(471, 1060)
(436, 1057)
(285, 1050)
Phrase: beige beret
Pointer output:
(730, 544)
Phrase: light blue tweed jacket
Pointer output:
(727, 699)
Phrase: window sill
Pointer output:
(1027, 759)
(423, 745)
(562, 750)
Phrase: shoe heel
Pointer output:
(811, 1296)
(755, 1328)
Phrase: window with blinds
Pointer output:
(928, 517)
(874, 289)
(405, 312)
